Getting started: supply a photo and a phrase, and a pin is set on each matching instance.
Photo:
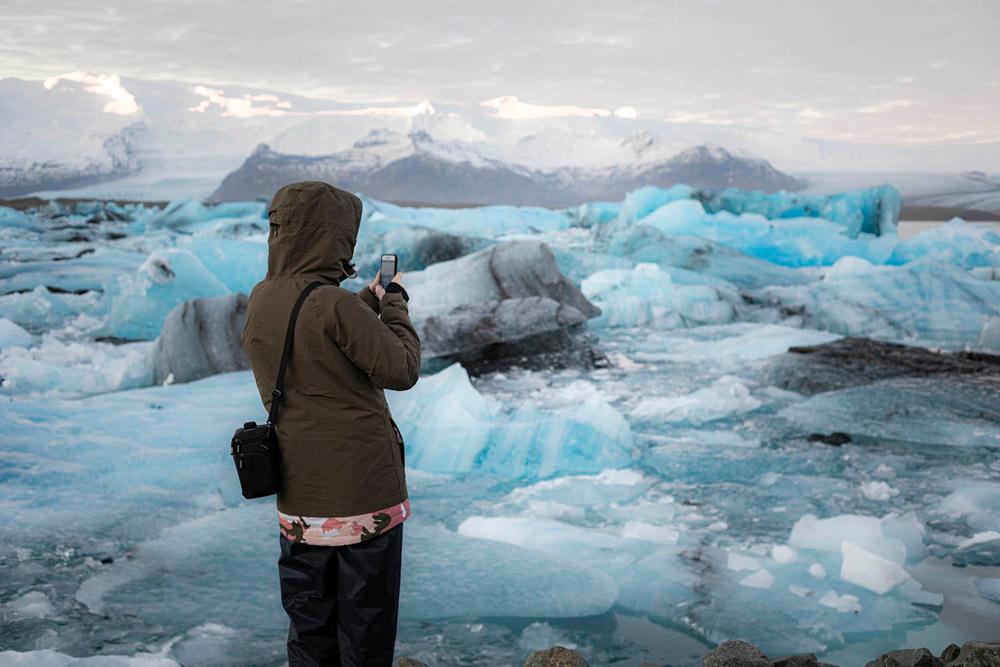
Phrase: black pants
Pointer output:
(342, 602)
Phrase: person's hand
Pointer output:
(376, 285)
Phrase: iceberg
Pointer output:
(965, 245)
(498, 296)
(922, 302)
(726, 396)
(527, 442)
(646, 296)
(872, 211)
(646, 243)
(139, 302)
(201, 338)
(12, 335)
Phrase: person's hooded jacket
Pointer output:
(341, 452)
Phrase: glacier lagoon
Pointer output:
(640, 509)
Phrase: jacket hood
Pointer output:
(314, 227)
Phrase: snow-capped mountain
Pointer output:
(416, 168)
(104, 136)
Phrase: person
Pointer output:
(343, 497)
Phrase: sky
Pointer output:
(878, 71)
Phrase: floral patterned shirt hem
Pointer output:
(338, 531)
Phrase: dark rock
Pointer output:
(976, 654)
(852, 361)
(799, 660)
(735, 653)
(908, 657)
(557, 656)
(408, 662)
(837, 438)
(201, 338)
(950, 652)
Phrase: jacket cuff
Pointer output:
(396, 287)
(369, 298)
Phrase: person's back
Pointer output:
(343, 481)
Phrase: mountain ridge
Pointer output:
(430, 175)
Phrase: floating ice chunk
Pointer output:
(759, 579)
(595, 213)
(540, 635)
(726, 396)
(878, 490)
(989, 336)
(238, 264)
(543, 534)
(41, 309)
(646, 296)
(461, 425)
(12, 335)
(11, 218)
(486, 222)
(869, 570)
(817, 570)
(139, 302)
(978, 503)
(694, 260)
(872, 211)
(738, 562)
(66, 268)
(790, 242)
(74, 368)
(640, 530)
(845, 604)
(989, 588)
(192, 215)
(965, 245)
(641, 202)
(867, 532)
(608, 486)
(450, 427)
(201, 338)
(31, 605)
(50, 658)
(849, 266)
(801, 591)
(984, 537)
(782, 553)
(923, 301)
(417, 247)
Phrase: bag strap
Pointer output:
(286, 353)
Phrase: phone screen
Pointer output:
(387, 269)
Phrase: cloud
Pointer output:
(512, 108)
(109, 85)
(884, 107)
(239, 107)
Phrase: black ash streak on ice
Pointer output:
(664, 441)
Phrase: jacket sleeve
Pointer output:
(369, 299)
(387, 350)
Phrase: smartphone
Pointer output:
(388, 269)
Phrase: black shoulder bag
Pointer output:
(255, 447)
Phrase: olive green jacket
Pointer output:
(341, 452)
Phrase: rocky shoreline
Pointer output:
(738, 653)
